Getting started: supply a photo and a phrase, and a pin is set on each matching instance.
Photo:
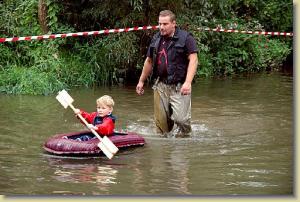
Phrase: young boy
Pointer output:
(102, 121)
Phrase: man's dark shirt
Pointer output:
(162, 56)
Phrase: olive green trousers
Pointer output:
(171, 108)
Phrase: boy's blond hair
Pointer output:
(106, 100)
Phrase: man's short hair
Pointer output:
(165, 13)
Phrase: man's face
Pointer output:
(166, 26)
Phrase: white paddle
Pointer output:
(105, 144)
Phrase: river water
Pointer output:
(242, 143)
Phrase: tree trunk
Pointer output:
(42, 14)
(145, 38)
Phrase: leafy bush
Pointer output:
(46, 66)
(234, 53)
(109, 56)
(19, 80)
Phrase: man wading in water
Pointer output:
(172, 55)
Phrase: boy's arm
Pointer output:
(85, 115)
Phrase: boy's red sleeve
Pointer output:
(107, 127)
(88, 117)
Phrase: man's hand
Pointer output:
(147, 68)
(186, 88)
(140, 88)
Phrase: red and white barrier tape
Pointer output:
(53, 36)
(107, 31)
(248, 32)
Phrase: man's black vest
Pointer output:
(177, 56)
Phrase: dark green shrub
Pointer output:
(19, 80)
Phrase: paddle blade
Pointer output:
(64, 98)
(105, 150)
(110, 145)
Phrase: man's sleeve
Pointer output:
(191, 44)
(149, 53)
(86, 116)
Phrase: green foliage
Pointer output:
(20, 80)
(234, 53)
(271, 52)
(46, 66)
(6, 56)
(137, 5)
(20, 18)
(109, 56)
(275, 15)
(53, 10)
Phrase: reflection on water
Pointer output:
(179, 163)
(241, 144)
(77, 171)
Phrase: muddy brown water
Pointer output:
(242, 143)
